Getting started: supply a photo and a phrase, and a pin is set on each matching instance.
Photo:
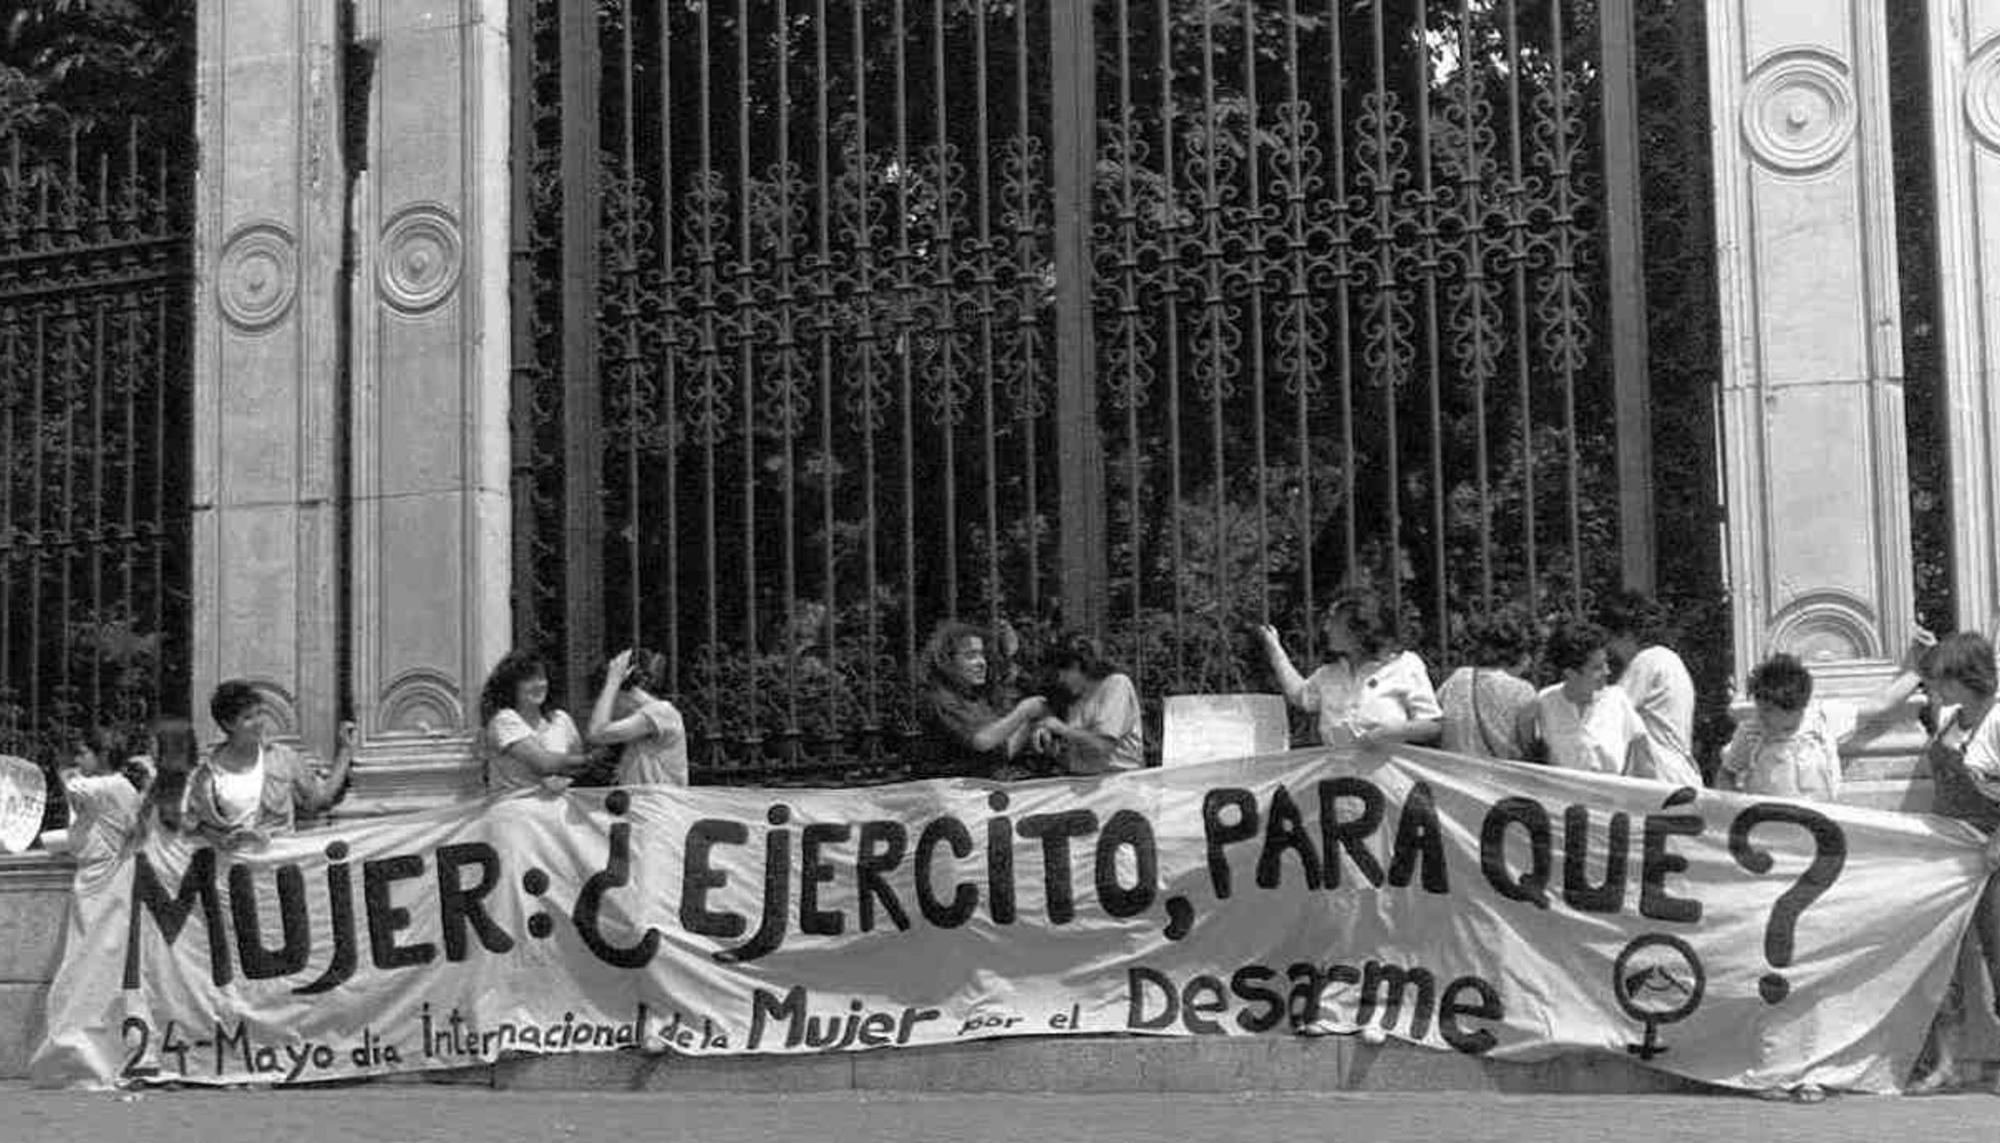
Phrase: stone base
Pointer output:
(1112, 1064)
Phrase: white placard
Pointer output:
(1212, 728)
(23, 795)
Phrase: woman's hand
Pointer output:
(614, 673)
(1268, 635)
(1921, 641)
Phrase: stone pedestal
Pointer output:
(430, 543)
(1819, 536)
(270, 208)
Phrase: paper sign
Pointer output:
(1211, 728)
(23, 794)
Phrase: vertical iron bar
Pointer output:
(746, 365)
(1431, 264)
(865, 277)
(37, 534)
(1079, 449)
(1565, 215)
(1517, 223)
(982, 276)
(828, 599)
(630, 359)
(710, 384)
(1214, 313)
(583, 451)
(670, 378)
(521, 302)
(1255, 294)
(1631, 387)
(1128, 304)
(1299, 302)
(906, 289)
(1385, 298)
(787, 346)
(1170, 273)
(947, 330)
(1475, 284)
(101, 537)
(1343, 276)
(1026, 322)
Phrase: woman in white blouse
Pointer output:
(1372, 692)
(524, 741)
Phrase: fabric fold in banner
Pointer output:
(1494, 909)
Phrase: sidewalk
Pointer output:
(436, 1114)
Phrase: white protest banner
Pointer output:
(1495, 909)
(23, 797)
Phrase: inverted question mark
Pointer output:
(1829, 858)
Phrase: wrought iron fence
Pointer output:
(1153, 317)
(95, 269)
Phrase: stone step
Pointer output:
(1083, 1065)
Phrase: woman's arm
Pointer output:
(1414, 730)
(1002, 731)
(1290, 681)
(1889, 700)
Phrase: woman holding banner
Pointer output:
(969, 727)
(1959, 675)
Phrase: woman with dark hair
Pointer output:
(1099, 733)
(248, 789)
(524, 740)
(1373, 692)
(1484, 702)
(1958, 675)
(962, 732)
(1583, 723)
(648, 731)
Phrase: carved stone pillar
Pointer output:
(430, 345)
(1819, 546)
(269, 211)
(1965, 133)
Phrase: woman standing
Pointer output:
(962, 730)
(648, 730)
(1099, 733)
(1583, 723)
(248, 789)
(1484, 703)
(1373, 692)
(525, 741)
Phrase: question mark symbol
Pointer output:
(1829, 858)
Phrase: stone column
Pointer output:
(269, 211)
(1965, 133)
(1819, 545)
(429, 396)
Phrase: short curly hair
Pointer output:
(1964, 657)
(1783, 682)
(231, 700)
(1572, 643)
(513, 669)
(1498, 638)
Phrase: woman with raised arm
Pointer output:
(1372, 692)
(648, 731)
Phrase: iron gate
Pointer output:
(95, 267)
(1157, 317)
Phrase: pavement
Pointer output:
(380, 1113)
